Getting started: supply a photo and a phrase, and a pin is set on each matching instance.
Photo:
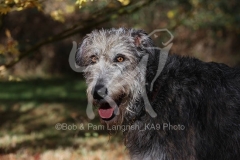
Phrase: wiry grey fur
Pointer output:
(202, 97)
(120, 78)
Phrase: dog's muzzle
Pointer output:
(108, 107)
(99, 94)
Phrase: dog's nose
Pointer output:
(99, 92)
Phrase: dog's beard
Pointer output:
(112, 115)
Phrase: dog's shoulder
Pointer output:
(190, 66)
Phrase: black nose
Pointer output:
(99, 92)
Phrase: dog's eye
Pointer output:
(94, 59)
(120, 59)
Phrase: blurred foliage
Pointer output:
(18, 5)
(71, 17)
(214, 14)
(11, 46)
(102, 11)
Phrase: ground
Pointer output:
(29, 111)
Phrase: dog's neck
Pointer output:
(139, 140)
(139, 105)
(142, 137)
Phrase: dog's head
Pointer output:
(115, 73)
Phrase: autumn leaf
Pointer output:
(4, 10)
(80, 2)
(124, 2)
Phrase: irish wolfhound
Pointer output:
(197, 104)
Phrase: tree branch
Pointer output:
(80, 27)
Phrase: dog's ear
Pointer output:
(145, 45)
(139, 37)
(143, 42)
(81, 51)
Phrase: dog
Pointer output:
(197, 104)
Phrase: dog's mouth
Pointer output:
(105, 111)
(109, 109)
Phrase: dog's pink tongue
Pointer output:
(105, 112)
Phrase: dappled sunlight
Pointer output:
(29, 116)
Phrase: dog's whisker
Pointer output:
(130, 110)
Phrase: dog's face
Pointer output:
(113, 73)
